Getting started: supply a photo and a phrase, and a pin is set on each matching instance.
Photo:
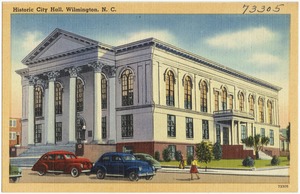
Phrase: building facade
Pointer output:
(15, 132)
(143, 97)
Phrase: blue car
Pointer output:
(122, 165)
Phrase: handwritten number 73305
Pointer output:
(261, 9)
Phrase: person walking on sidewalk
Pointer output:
(194, 169)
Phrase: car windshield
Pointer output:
(148, 157)
(128, 157)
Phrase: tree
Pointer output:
(217, 150)
(256, 142)
(288, 139)
(167, 154)
(204, 152)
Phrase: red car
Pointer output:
(59, 162)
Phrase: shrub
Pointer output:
(167, 155)
(275, 161)
(190, 158)
(178, 156)
(217, 151)
(288, 157)
(248, 161)
(204, 152)
(157, 156)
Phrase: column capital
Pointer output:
(97, 65)
(52, 75)
(73, 71)
(32, 79)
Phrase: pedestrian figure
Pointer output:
(181, 164)
(194, 169)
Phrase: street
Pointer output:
(161, 177)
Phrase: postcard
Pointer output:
(150, 96)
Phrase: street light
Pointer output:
(83, 133)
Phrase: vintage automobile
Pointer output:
(15, 173)
(148, 158)
(59, 162)
(122, 165)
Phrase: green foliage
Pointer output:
(288, 132)
(217, 150)
(204, 152)
(256, 142)
(157, 156)
(178, 156)
(275, 161)
(288, 157)
(167, 155)
(248, 161)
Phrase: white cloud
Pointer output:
(247, 38)
(264, 59)
(162, 35)
(31, 40)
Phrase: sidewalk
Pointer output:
(272, 171)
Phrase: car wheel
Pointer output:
(133, 176)
(14, 179)
(75, 172)
(100, 174)
(42, 172)
(149, 177)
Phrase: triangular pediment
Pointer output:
(58, 42)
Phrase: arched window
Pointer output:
(58, 98)
(188, 92)
(242, 102)
(170, 88)
(127, 87)
(224, 99)
(38, 101)
(270, 112)
(79, 95)
(103, 92)
(203, 97)
(261, 110)
(251, 105)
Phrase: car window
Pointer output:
(128, 157)
(45, 157)
(51, 157)
(148, 157)
(105, 159)
(116, 158)
(60, 157)
(69, 156)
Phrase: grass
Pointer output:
(232, 163)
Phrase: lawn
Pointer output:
(232, 163)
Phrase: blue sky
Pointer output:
(257, 45)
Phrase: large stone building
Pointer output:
(141, 97)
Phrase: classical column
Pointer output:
(51, 107)
(112, 104)
(238, 132)
(31, 122)
(233, 133)
(97, 101)
(73, 71)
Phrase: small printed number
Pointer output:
(283, 186)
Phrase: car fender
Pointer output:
(98, 167)
(39, 167)
(130, 169)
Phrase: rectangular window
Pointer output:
(104, 128)
(189, 127)
(190, 151)
(58, 131)
(127, 125)
(243, 131)
(12, 122)
(171, 122)
(90, 133)
(12, 135)
(38, 133)
(218, 132)
(216, 101)
(230, 102)
(172, 149)
(262, 132)
(271, 137)
(205, 129)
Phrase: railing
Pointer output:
(231, 112)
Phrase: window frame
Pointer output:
(188, 92)
(205, 129)
(203, 96)
(189, 125)
(127, 126)
(127, 86)
(171, 125)
(170, 82)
